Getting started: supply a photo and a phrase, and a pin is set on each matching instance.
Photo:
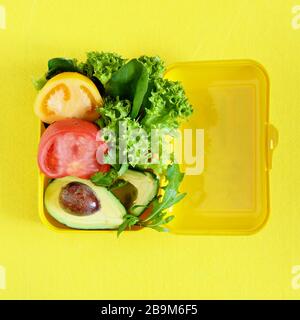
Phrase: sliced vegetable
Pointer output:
(170, 197)
(147, 188)
(126, 193)
(79, 204)
(157, 217)
(68, 148)
(68, 95)
(137, 100)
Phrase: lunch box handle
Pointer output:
(272, 142)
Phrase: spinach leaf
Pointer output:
(59, 65)
(130, 82)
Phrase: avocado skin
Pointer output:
(108, 216)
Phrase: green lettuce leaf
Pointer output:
(101, 65)
(112, 111)
(154, 65)
(167, 106)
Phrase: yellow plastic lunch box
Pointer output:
(228, 190)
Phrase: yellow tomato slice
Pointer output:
(68, 95)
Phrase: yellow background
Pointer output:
(43, 264)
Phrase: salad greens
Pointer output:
(59, 65)
(56, 66)
(105, 179)
(135, 94)
(167, 106)
(108, 179)
(130, 82)
(154, 65)
(102, 65)
(158, 216)
(113, 110)
(99, 66)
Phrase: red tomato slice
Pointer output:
(68, 148)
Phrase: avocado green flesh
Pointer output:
(147, 188)
(127, 194)
(109, 216)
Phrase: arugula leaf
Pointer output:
(158, 217)
(171, 194)
(129, 221)
(130, 82)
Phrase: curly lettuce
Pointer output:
(102, 65)
(154, 65)
(127, 142)
(167, 106)
(113, 110)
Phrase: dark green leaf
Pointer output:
(130, 82)
(59, 65)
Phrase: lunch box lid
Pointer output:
(227, 184)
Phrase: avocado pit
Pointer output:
(78, 199)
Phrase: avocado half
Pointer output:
(108, 214)
(146, 185)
